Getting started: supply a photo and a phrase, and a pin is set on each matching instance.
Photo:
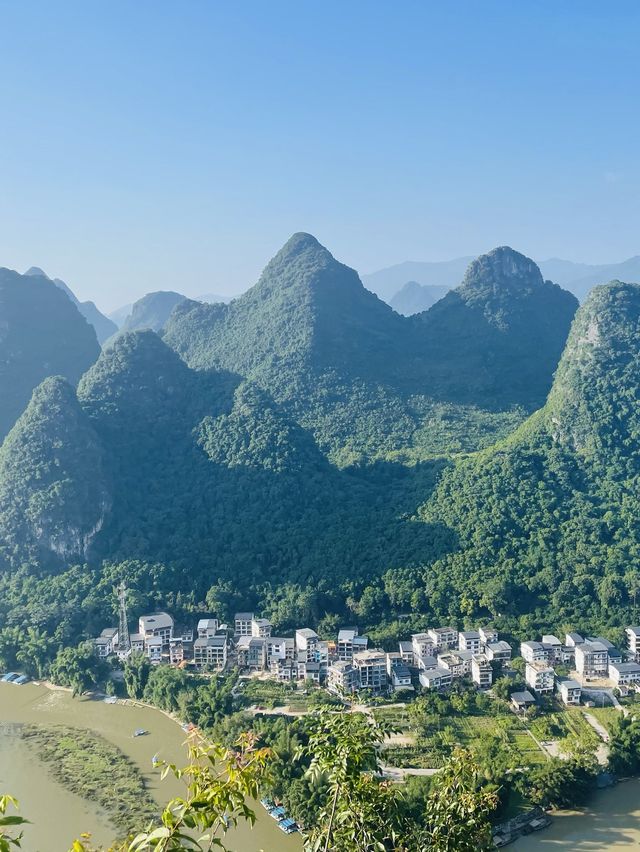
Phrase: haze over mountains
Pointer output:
(308, 434)
(409, 287)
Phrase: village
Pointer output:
(431, 660)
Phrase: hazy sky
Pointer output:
(177, 145)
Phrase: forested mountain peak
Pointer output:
(502, 269)
(500, 334)
(594, 403)
(53, 495)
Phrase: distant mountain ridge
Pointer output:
(104, 327)
(414, 298)
(579, 278)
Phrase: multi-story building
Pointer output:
(159, 624)
(343, 677)
(137, 643)
(444, 638)
(499, 651)
(469, 640)
(481, 671)
(372, 668)
(350, 642)
(553, 646)
(438, 678)
(406, 652)
(106, 642)
(633, 641)
(534, 652)
(177, 651)
(540, 677)
(306, 640)
(573, 639)
(153, 647)
(207, 627)
(261, 627)
(592, 658)
(401, 677)
(210, 652)
(488, 635)
(280, 648)
(423, 646)
(569, 690)
(251, 652)
(624, 673)
(243, 623)
(453, 663)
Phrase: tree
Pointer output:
(624, 746)
(8, 823)
(360, 812)
(458, 809)
(78, 668)
(560, 783)
(137, 668)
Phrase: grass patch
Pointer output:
(95, 769)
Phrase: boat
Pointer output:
(267, 804)
(289, 826)
(278, 813)
(140, 732)
(22, 679)
(9, 677)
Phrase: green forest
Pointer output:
(308, 453)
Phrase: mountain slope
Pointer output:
(103, 326)
(414, 298)
(499, 335)
(53, 490)
(41, 334)
(547, 520)
(196, 470)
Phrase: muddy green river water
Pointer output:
(58, 815)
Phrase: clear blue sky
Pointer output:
(156, 145)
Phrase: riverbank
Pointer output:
(58, 815)
(610, 822)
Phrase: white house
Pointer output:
(499, 651)
(481, 671)
(349, 641)
(435, 678)
(372, 669)
(453, 663)
(539, 676)
(592, 658)
(260, 627)
(624, 673)
(158, 624)
(469, 640)
(423, 646)
(534, 652)
(243, 623)
(443, 637)
(633, 641)
(210, 652)
(553, 646)
(569, 690)
(207, 627)
(488, 635)
(406, 652)
(342, 676)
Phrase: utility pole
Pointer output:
(124, 640)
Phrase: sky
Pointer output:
(177, 145)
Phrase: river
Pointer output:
(58, 815)
(611, 822)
